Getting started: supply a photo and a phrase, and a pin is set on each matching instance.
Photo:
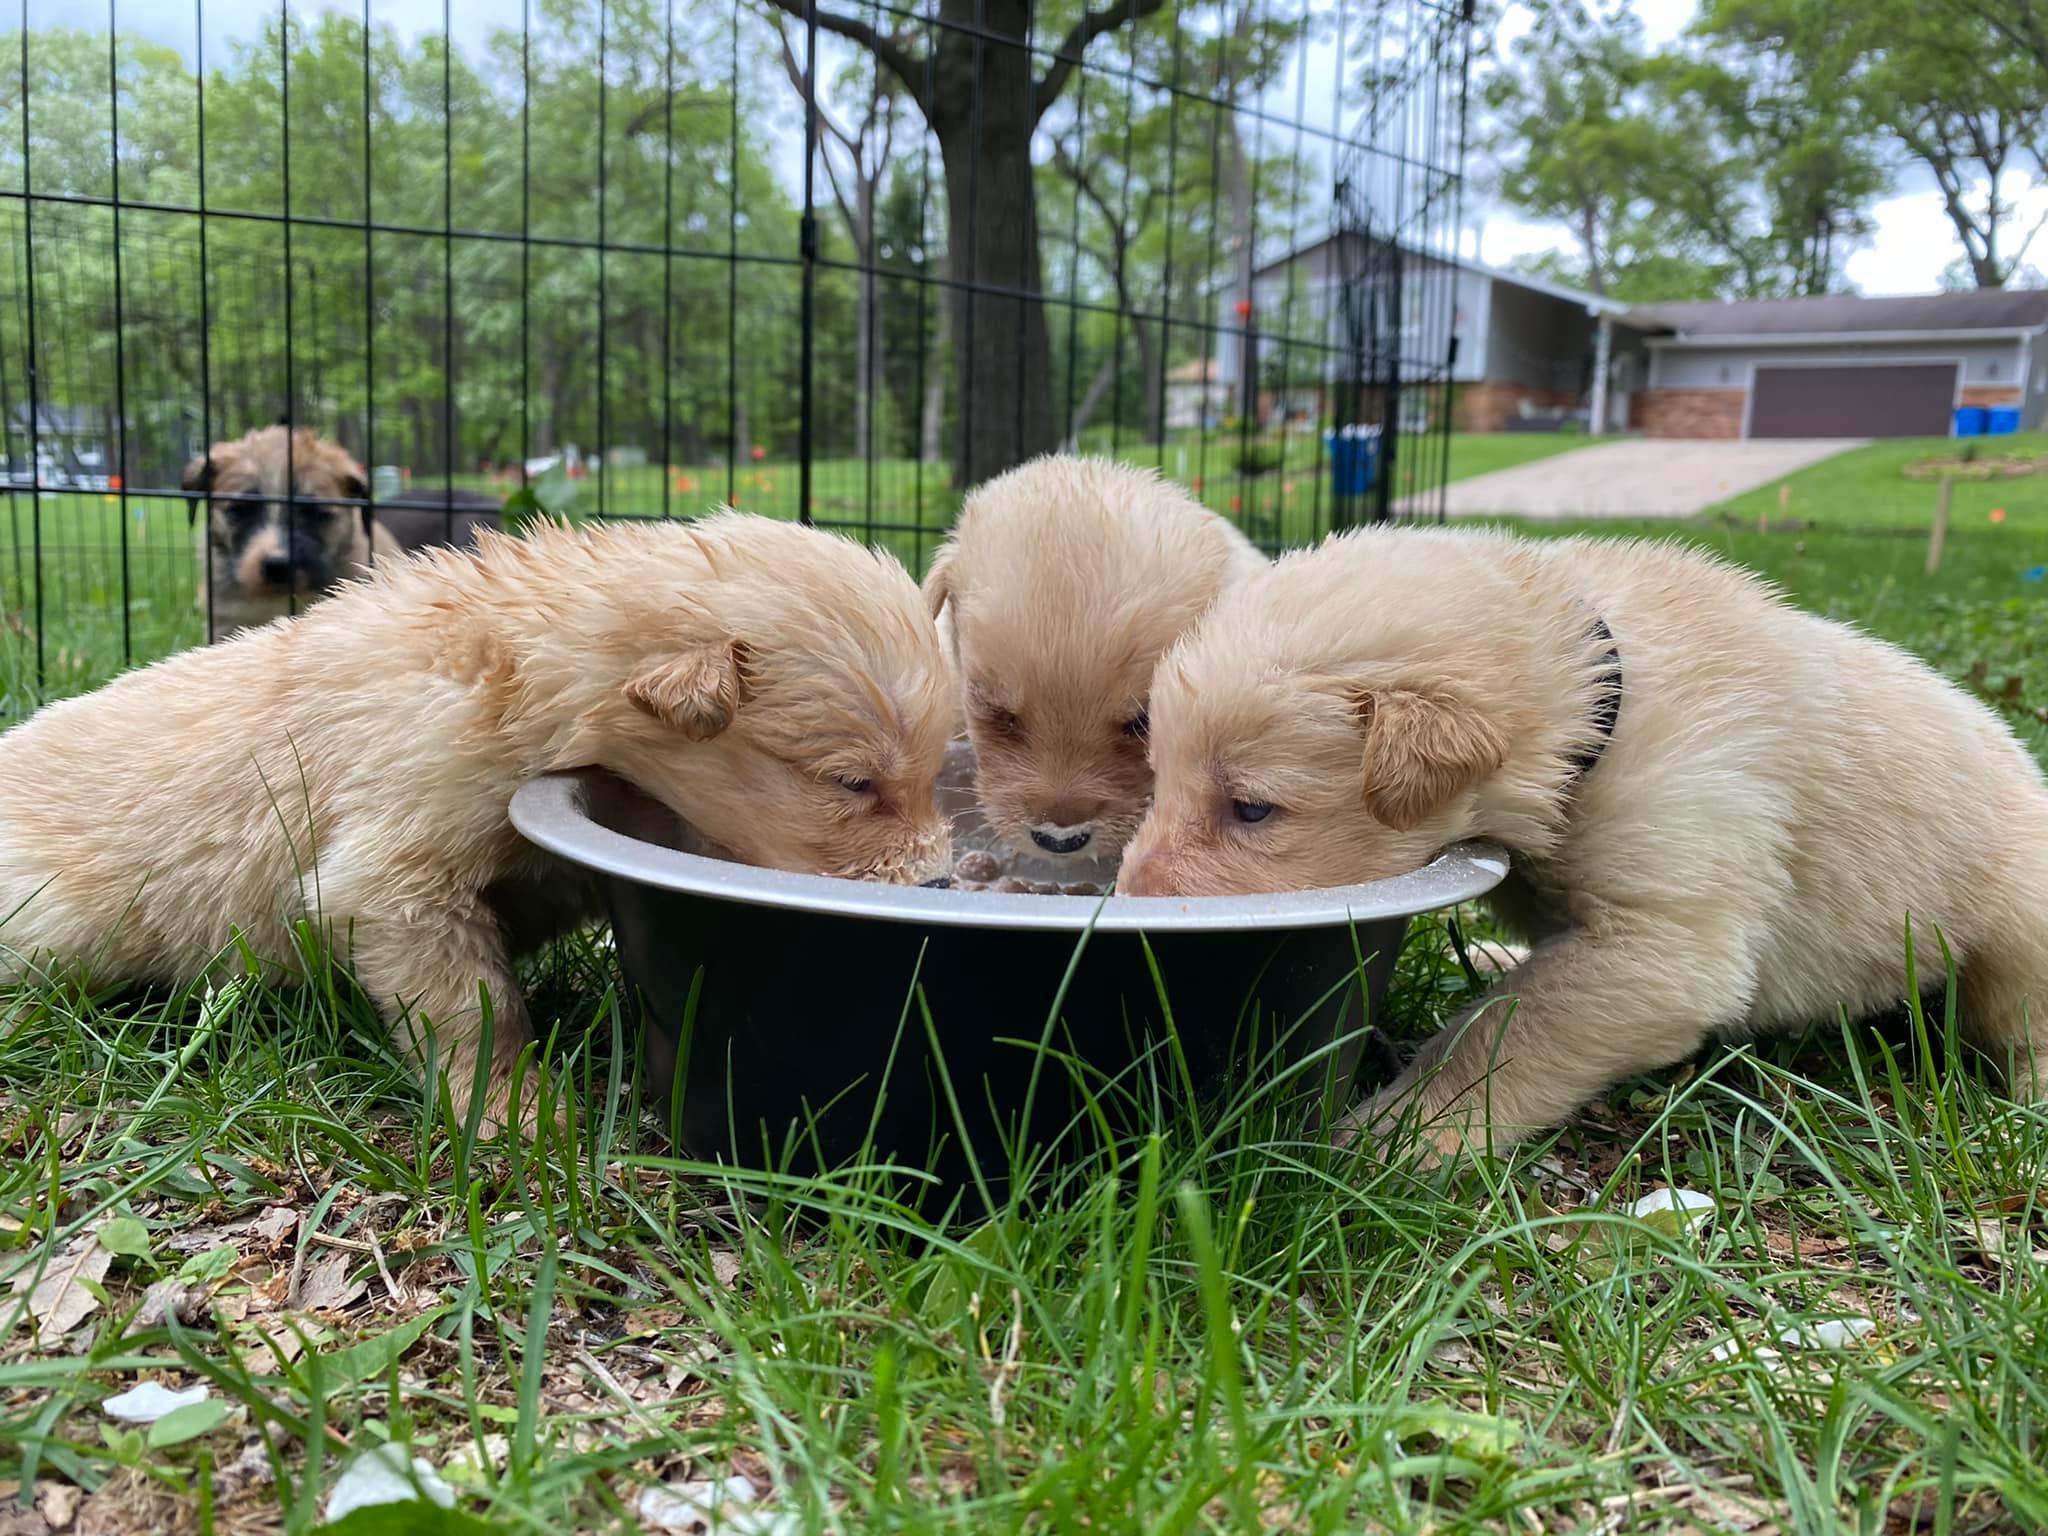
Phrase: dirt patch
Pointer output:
(2000, 466)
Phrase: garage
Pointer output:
(1853, 400)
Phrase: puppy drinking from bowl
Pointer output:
(779, 688)
(282, 529)
(1060, 587)
(1722, 811)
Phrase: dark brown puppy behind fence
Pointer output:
(289, 518)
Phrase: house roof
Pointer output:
(1593, 302)
(60, 420)
(1982, 309)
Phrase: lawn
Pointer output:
(95, 566)
(1217, 1325)
(1870, 487)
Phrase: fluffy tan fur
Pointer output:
(1780, 795)
(270, 491)
(779, 688)
(1062, 584)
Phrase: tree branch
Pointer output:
(795, 71)
(1068, 55)
(905, 66)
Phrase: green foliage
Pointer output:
(1929, 88)
(512, 334)
(1743, 160)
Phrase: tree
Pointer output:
(1771, 166)
(867, 149)
(1945, 90)
(983, 99)
(1575, 137)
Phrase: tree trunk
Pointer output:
(867, 317)
(1153, 385)
(1105, 375)
(1596, 277)
(1001, 351)
(932, 422)
(1243, 243)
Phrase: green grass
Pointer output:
(1216, 1324)
(1868, 487)
(898, 502)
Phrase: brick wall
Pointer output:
(1688, 412)
(1487, 405)
(1991, 394)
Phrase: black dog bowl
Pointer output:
(806, 1045)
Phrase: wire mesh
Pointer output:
(832, 261)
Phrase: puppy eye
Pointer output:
(1003, 722)
(854, 786)
(1250, 810)
(1139, 726)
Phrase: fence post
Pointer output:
(807, 243)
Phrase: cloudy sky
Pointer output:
(1912, 244)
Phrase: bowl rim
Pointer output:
(551, 812)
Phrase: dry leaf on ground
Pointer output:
(328, 1285)
(62, 1299)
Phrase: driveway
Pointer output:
(1638, 477)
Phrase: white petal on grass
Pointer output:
(1727, 1348)
(381, 1476)
(1665, 1199)
(724, 1508)
(149, 1401)
(1829, 1333)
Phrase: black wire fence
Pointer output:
(825, 259)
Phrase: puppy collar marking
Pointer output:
(1606, 709)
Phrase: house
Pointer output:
(1520, 351)
(73, 446)
(1524, 347)
(1839, 365)
(1196, 394)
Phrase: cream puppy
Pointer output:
(1722, 811)
(779, 688)
(1060, 587)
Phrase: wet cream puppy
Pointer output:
(779, 688)
(1060, 587)
(1722, 811)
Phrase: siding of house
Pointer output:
(1314, 320)
(1702, 390)
(1993, 363)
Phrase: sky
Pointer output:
(1912, 244)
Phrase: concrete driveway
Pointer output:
(1637, 477)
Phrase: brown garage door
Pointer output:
(1855, 400)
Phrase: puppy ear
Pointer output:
(198, 476)
(357, 488)
(938, 580)
(697, 693)
(1420, 750)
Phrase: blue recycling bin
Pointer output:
(2001, 420)
(1970, 420)
(1354, 459)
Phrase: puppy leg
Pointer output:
(433, 967)
(1588, 1010)
(2004, 1011)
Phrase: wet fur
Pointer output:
(353, 766)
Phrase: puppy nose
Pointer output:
(1061, 839)
(277, 570)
